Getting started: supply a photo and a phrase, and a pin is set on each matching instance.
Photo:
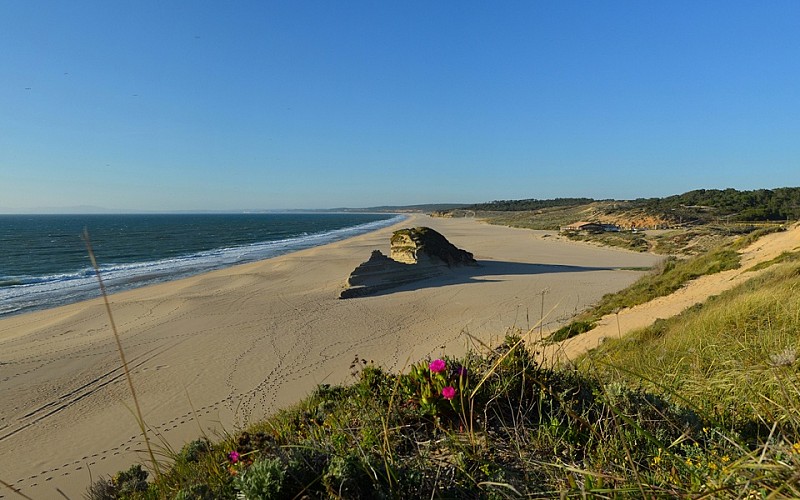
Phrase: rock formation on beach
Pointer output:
(416, 254)
(414, 246)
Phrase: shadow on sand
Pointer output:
(486, 271)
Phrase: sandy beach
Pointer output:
(212, 353)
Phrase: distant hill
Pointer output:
(529, 204)
(757, 205)
(423, 208)
(694, 207)
(76, 209)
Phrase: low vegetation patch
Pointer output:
(733, 359)
(698, 240)
(783, 257)
(689, 224)
(752, 237)
(701, 206)
(624, 239)
(494, 425)
(670, 276)
(548, 218)
(568, 331)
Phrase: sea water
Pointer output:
(44, 261)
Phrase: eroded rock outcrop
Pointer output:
(416, 254)
(421, 244)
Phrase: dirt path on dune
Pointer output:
(694, 292)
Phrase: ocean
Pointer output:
(44, 262)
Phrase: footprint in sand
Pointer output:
(154, 368)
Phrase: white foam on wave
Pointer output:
(40, 292)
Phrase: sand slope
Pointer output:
(216, 351)
(694, 292)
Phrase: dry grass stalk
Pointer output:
(139, 417)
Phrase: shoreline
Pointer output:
(73, 285)
(214, 352)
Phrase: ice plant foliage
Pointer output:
(438, 386)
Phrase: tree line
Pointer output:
(700, 204)
(523, 205)
(755, 205)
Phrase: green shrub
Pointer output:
(194, 450)
(345, 477)
(262, 480)
(195, 492)
(571, 330)
(102, 489)
(132, 480)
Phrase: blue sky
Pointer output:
(156, 105)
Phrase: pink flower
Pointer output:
(437, 366)
(448, 392)
(233, 456)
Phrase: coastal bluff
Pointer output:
(415, 254)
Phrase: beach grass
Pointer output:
(666, 278)
(670, 276)
(636, 242)
(734, 357)
(551, 218)
(527, 431)
(783, 257)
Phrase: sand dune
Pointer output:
(695, 292)
(214, 352)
